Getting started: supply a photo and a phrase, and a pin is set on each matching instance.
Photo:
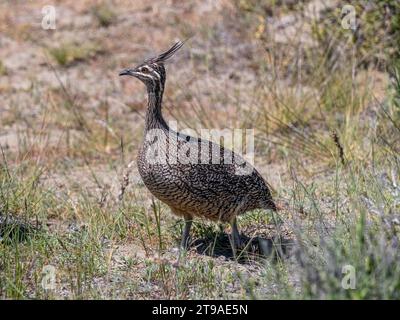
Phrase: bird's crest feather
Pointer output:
(167, 54)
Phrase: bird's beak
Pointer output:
(127, 72)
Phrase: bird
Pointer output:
(181, 170)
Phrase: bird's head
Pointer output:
(152, 70)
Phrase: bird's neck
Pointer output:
(154, 117)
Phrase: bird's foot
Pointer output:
(240, 243)
(184, 245)
(180, 254)
(237, 242)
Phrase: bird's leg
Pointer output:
(236, 239)
(184, 240)
(185, 232)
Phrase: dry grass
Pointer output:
(326, 119)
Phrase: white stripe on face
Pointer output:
(157, 74)
(151, 73)
(147, 76)
(144, 75)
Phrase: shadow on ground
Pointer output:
(256, 248)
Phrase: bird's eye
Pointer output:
(144, 69)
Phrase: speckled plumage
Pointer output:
(212, 191)
(169, 165)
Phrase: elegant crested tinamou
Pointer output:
(199, 188)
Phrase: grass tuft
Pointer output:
(104, 14)
(68, 54)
